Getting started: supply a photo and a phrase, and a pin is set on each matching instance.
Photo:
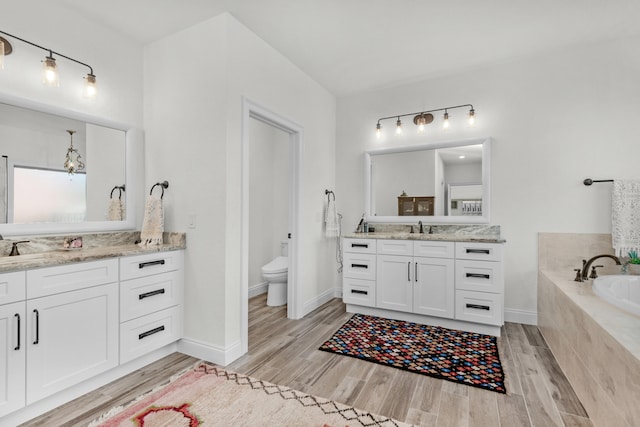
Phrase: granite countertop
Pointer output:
(448, 237)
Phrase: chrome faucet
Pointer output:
(421, 229)
(584, 274)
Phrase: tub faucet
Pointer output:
(587, 264)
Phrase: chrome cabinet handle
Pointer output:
(18, 346)
(37, 327)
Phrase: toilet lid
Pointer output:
(278, 265)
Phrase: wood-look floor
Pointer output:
(285, 352)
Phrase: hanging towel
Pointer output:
(625, 216)
(153, 223)
(116, 210)
(331, 220)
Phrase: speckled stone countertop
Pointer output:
(449, 233)
(47, 251)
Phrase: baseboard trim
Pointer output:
(258, 289)
(324, 297)
(211, 353)
(520, 316)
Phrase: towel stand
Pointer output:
(590, 181)
(163, 185)
(120, 189)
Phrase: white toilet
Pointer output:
(275, 273)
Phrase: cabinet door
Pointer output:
(72, 337)
(12, 357)
(394, 282)
(434, 290)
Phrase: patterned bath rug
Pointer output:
(210, 396)
(449, 354)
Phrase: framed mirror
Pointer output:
(446, 182)
(38, 195)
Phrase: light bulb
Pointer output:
(90, 89)
(1, 55)
(378, 130)
(421, 122)
(398, 126)
(50, 72)
(472, 117)
(445, 124)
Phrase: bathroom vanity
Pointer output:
(71, 321)
(455, 281)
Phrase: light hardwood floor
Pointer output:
(285, 352)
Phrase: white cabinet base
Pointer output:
(426, 320)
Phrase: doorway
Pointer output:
(252, 111)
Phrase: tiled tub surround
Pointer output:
(596, 344)
(47, 250)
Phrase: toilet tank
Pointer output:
(284, 248)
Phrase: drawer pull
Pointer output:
(359, 266)
(150, 263)
(357, 291)
(151, 332)
(359, 245)
(479, 307)
(409, 271)
(478, 251)
(18, 346)
(151, 294)
(37, 327)
(479, 276)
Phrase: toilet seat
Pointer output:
(278, 265)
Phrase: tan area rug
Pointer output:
(211, 396)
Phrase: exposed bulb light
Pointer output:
(378, 130)
(445, 123)
(472, 117)
(398, 127)
(50, 72)
(421, 122)
(1, 54)
(90, 89)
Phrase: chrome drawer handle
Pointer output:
(150, 263)
(359, 266)
(18, 317)
(357, 291)
(150, 294)
(479, 307)
(479, 276)
(478, 251)
(151, 332)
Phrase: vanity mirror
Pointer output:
(447, 182)
(39, 196)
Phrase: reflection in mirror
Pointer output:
(35, 188)
(440, 182)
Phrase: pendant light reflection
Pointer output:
(50, 72)
(398, 127)
(378, 130)
(445, 123)
(73, 161)
(472, 117)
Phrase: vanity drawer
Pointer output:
(139, 297)
(433, 249)
(360, 292)
(479, 307)
(132, 267)
(359, 266)
(70, 277)
(12, 287)
(361, 246)
(480, 276)
(145, 334)
(395, 247)
(479, 251)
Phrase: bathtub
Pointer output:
(620, 290)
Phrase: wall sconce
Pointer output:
(423, 118)
(50, 75)
(73, 162)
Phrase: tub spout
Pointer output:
(587, 264)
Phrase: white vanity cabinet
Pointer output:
(359, 272)
(416, 284)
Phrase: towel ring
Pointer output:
(120, 189)
(163, 185)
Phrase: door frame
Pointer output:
(252, 110)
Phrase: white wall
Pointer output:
(193, 100)
(555, 120)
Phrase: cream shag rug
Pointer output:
(211, 396)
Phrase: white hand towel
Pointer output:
(153, 224)
(116, 210)
(625, 216)
(331, 220)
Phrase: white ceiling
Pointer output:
(351, 46)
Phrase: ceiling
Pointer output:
(351, 46)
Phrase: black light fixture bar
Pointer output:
(51, 52)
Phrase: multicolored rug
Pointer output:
(449, 354)
(211, 396)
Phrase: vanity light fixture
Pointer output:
(423, 118)
(50, 75)
(73, 162)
